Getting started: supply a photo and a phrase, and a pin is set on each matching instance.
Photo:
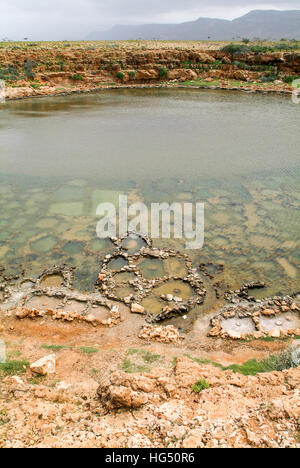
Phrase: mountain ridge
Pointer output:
(266, 24)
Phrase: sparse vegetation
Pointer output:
(120, 75)
(29, 69)
(285, 360)
(236, 49)
(201, 385)
(77, 77)
(240, 49)
(9, 74)
(289, 78)
(35, 85)
(163, 72)
(139, 360)
(13, 368)
(54, 347)
(89, 350)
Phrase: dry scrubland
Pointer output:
(47, 68)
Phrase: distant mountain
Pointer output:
(265, 24)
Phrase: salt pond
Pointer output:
(237, 153)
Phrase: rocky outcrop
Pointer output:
(113, 316)
(162, 334)
(155, 410)
(39, 70)
(121, 390)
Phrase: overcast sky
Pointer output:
(75, 19)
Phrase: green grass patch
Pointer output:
(146, 355)
(139, 360)
(77, 77)
(88, 350)
(270, 339)
(13, 354)
(54, 347)
(13, 367)
(205, 361)
(202, 83)
(279, 362)
(201, 385)
(130, 367)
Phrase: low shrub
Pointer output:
(163, 72)
(269, 78)
(285, 360)
(9, 74)
(29, 69)
(289, 78)
(201, 385)
(77, 77)
(236, 49)
(120, 75)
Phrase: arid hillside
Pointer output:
(53, 68)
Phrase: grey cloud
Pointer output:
(74, 19)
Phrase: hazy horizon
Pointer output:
(74, 20)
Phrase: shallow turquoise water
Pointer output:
(61, 157)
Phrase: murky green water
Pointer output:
(61, 157)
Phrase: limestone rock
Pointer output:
(45, 366)
(168, 334)
(137, 309)
(123, 390)
(274, 333)
(268, 312)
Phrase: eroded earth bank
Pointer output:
(101, 370)
(62, 68)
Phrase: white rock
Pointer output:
(17, 380)
(62, 386)
(274, 334)
(137, 309)
(44, 366)
(178, 299)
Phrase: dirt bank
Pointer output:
(90, 402)
(71, 68)
(123, 386)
